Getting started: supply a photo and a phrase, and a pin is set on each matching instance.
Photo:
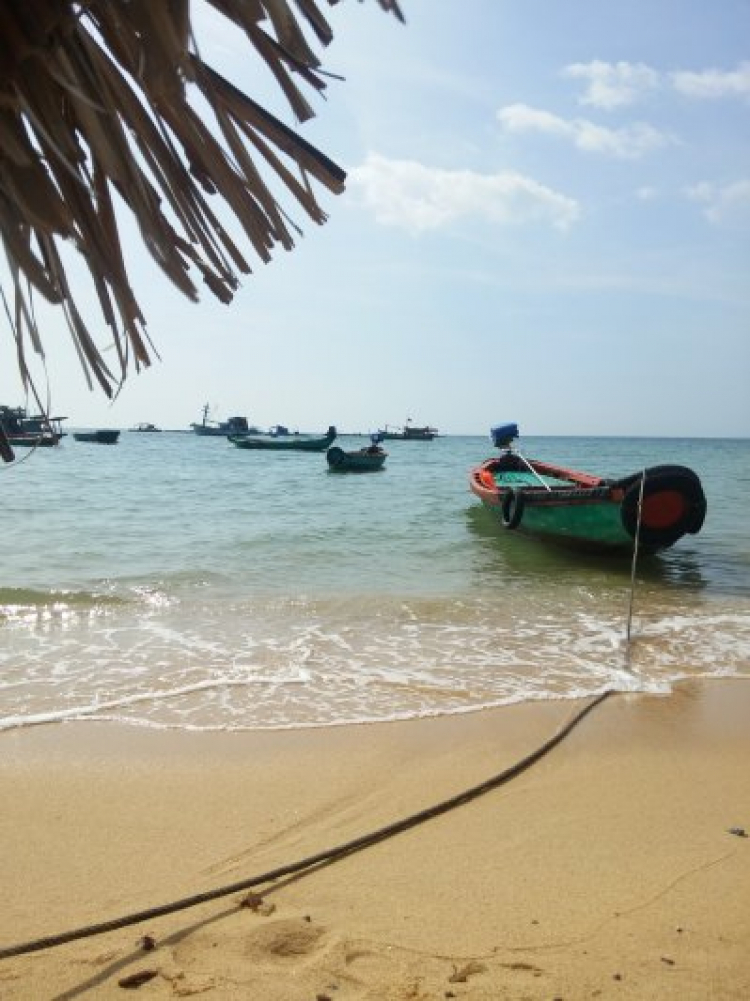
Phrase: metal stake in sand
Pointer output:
(632, 569)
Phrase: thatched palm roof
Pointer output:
(97, 97)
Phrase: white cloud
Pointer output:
(713, 83)
(613, 85)
(629, 142)
(419, 198)
(727, 204)
(646, 193)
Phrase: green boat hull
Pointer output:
(658, 505)
(98, 437)
(294, 443)
(364, 460)
(591, 524)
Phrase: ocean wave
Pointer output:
(303, 662)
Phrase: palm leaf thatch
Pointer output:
(97, 97)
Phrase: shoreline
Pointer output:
(608, 869)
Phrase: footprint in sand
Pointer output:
(287, 939)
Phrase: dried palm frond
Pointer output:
(96, 97)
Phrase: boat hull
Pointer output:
(41, 440)
(658, 505)
(361, 461)
(97, 437)
(292, 444)
(210, 431)
(19, 430)
(409, 434)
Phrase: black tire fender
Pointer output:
(665, 478)
(653, 472)
(513, 506)
(335, 456)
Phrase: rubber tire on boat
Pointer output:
(513, 507)
(335, 456)
(658, 479)
(653, 472)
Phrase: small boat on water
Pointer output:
(145, 428)
(20, 430)
(361, 460)
(409, 432)
(102, 437)
(658, 504)
(284, 443)
(222, 429)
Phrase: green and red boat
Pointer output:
(657, 505)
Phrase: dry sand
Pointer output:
(607, 870)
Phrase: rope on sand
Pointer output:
(326, 856)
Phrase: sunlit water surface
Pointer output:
(173, 581)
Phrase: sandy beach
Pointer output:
(609, 869)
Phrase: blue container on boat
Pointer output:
(503, 435)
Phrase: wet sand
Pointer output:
(608, 869)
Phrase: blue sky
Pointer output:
(547, 220)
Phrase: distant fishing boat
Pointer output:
(144, 428)
(222, 429)
(659, 504)
(102, 437)
(409, 432)
(18, 429)
(361, 460)
(283, 443)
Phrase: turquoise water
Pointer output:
(177, 581)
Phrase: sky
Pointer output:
(546, 220)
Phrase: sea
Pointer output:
(174, 581)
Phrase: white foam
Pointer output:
(287, 663)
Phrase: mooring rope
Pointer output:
(634, 565)
(311, 861)
(530, 467)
